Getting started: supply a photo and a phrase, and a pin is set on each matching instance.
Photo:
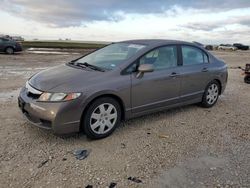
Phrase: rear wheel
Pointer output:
(247, 79)
(101, 118)
(211, 94)
(9, 50)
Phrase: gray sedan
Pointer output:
(94, 93)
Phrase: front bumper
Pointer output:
(59, 117)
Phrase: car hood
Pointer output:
(65, 78)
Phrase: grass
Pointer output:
(60, 44)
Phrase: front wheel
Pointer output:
(211, 94)
(101, 118)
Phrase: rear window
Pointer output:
(193, 56)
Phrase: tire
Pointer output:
(9, 50)
(101, 118)
(211, 94)
(247, 79)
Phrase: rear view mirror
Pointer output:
(143, 69)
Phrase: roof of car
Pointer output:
(156, 42)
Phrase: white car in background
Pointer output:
(227, 47)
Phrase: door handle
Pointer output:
(204, 69)
(173, 74)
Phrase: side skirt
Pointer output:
(130, 115)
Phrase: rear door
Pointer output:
(159, 88)
(195, 72)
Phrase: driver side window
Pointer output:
(161, 58)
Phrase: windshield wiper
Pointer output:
(71, 62)
(90, 66)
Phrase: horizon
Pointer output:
(110, 21)
(104, 42)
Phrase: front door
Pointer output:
(159, 88)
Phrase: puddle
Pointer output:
(41, 68)
(52, 52)
(44, 49)
(55, 51)
(9, 96)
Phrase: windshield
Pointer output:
(111, 56)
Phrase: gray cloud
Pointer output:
(63, 13)
(201, 26)
(209, 26)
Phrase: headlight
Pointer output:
(57, 97)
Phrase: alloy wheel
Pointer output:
(212, 94)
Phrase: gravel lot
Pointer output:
(183, 147)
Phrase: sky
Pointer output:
(209, 22)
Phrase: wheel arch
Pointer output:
(111, 95)
(220, 84)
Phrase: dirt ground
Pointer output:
(183, 147)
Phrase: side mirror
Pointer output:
(143, 69)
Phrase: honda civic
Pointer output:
(123, 80)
